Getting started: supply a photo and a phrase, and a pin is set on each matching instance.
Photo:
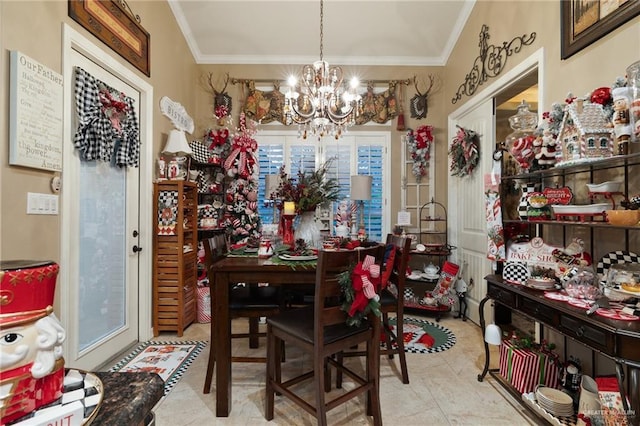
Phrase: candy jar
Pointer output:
(520, 143)
(633, 81)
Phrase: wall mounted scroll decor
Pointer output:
(491, 61)
(116, 26)
(582, 23)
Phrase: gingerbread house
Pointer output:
(585, 132)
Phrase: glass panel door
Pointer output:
(103, 252)
(103, 270)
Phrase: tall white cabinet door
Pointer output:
(467, 219)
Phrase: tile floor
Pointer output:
(443, 389)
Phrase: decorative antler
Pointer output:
(220, 97)
(415, 83)
(216, 91)
(418, 104)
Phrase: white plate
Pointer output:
(632, 293)
(414, 276)
(291, 257)
(430, 277)
(421, 248)
(581, 209)
(553, 396)
(539, 287)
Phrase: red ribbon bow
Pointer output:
(218, 138)
(365, 280)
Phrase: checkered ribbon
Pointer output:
(96, 137)
(201, 153)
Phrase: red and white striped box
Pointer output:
(203, 305)
(527, 368)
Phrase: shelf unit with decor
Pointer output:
(615, 340)
(432, 234)
(175, 243)
(211, 186)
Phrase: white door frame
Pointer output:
(73, 40)
(536, 60)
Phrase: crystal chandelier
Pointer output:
(320, 103)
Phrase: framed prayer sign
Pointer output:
(116, 27)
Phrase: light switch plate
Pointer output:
(42, 203)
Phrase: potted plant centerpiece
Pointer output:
(308, 191)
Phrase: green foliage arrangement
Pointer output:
(310, 189)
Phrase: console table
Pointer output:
(618, 340)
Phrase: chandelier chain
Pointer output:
(321, 27)
(319, 102)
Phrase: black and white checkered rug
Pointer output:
(169, 359)
(425, 337)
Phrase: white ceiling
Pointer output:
(356, 32)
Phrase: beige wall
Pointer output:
(35, 29)
(596, 66)
(435, 116)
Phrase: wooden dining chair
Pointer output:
(396, 260)
(321, 331)
(393, 302)
(245, 301)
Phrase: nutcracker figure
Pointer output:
(31, 365)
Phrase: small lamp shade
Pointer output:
(493, 335)
(271, 183)
(361, 187)
(177, 143)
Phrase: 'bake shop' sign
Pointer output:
(533, 253)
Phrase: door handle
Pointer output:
(137, 249)
(135, 233)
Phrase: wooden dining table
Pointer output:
(250, 270)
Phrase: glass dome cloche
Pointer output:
(521, 144)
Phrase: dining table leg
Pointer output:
(223, 346)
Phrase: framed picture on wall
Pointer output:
(115, 26)
(585, 21)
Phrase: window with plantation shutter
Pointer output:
(364, 153)
(370, 162)
(270, 158)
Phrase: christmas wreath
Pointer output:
(359, 285)
(419, 142)
(464, 152)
